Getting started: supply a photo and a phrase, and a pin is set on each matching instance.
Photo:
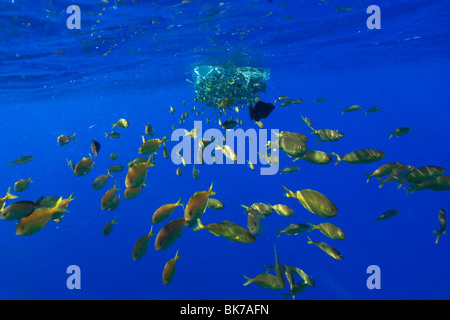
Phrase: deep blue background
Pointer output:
(312, 52)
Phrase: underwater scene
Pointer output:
(234, 150)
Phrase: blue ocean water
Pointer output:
(135, 59)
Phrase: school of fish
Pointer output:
(34, 215)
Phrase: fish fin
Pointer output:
(12, 163)
(391, 134)
(106, 135)
(73, 136)
(438, 235)
(339, 159)
(310, 241)
(382, 182)
(210, 192)
(313, 227)
(40, 199)
(58, 205)
(279, 234)
(113, 125)
(199, 226)
(245, 207)
(289, 193)
(9, 195)
(368, 175)
(115, 186)
(151, 234)
(70, 164)
(248, 280)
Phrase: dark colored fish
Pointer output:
(64, 139)
(229, 124)
(18, 210)
(95, 147)
(115, 168)
(441, 183)
(387, 215)
(397, 174)
(169, 234)
(21, 160)
(443, 222)
(261, 110)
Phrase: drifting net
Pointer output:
(213, 84)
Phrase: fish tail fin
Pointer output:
(391, 134)
(339, 159)
(245, 207)
(178, 202)
(313, 227)
(248, 280)
(368, 175)
(199, 226)
(40, 199)
(73, 136)
(12, 163)
(164, 139)
(400, 184)
(378, 220)
(280, 232)
(438, 235)
(289, 193)
(115, 186)
(151, 234)
(412, 190)
(285, 295)
(71, 198)
(70, 164)
(382, 182)
(310, 241)
(9, 195)
(210, 191)
(58, 207)
(342, 112)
